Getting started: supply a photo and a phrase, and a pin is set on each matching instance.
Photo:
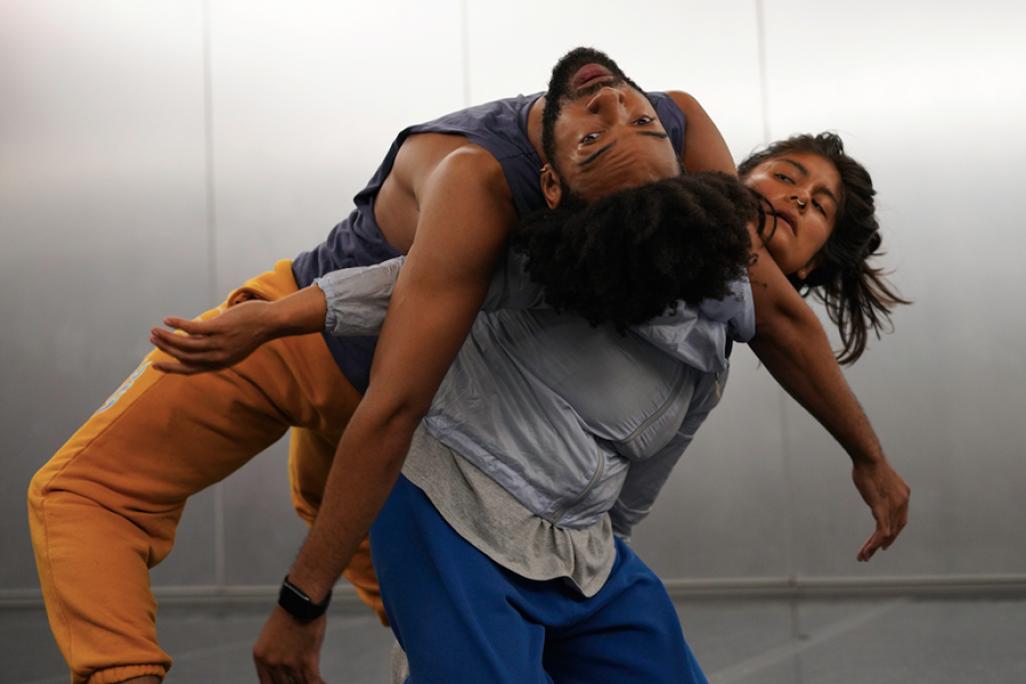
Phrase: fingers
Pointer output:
(179, 342)
(887, 495)
(891, 519)
(180, 368)
(195, 353)
(190, 326)
(183, 355)
(288, 674)
(312, 673)
(871, 546)
(271, 672)
(263, 674)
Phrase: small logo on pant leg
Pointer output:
(125, 386)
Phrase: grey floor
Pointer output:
(766, 641)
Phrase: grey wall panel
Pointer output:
(931, 97)
(307, 100)
(102, 216)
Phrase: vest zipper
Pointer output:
(662, 409)
(561, 511)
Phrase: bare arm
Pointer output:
(704, 147)
(229, 338)
(791, 342)
(347, 302)
(436, 298)
(465, 215)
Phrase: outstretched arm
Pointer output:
(791, 342)
(227, 339)
(348, 302)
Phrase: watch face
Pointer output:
(296, 603)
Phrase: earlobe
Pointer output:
(552, 188)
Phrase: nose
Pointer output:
(801, 200)
(606, 102)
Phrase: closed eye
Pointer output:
(783, 177)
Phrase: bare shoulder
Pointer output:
(424, 155)
(473, 164)
(470, 175)
(686, 101)
(465, 205)
(704, 146)
(433, 164)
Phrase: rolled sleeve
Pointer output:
(357, 298)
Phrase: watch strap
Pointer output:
(298, 604)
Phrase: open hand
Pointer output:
(887, 496)
(213, 343)
(288, 651)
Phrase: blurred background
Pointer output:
(153, 155)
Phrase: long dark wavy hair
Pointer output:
(632, 255)
(856, 294)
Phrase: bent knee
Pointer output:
(39, 487)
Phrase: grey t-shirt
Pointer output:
(497, 525)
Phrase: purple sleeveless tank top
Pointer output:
(499, 127)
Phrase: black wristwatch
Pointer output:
(296, 603)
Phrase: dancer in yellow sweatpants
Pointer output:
(159, 439)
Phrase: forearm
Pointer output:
(798, 355)
(300, 313)
(436, 297)
(366, 466)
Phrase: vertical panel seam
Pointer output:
(220, 578)
(465, 49)
(760, 26)
(785, 436)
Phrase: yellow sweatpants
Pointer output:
(104, 509)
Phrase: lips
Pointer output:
(588, 74)
(789, 219)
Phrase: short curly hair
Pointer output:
(856, 294)
(632, 255)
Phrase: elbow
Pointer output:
(785, 316)
(388, 413)
(787, 331)
(405, 418)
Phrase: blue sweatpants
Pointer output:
(460, 617)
